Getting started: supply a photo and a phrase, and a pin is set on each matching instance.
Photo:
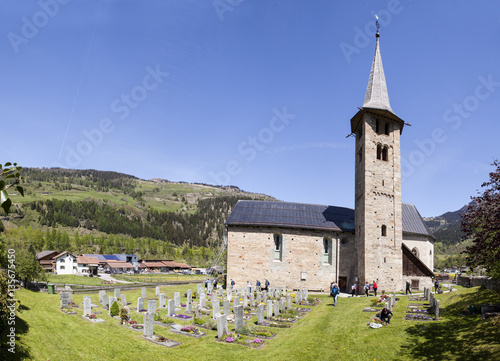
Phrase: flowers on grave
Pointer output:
(161, 339)
(181, 316)
(72, 304)
(132, 322)
(257, 341)
(261, 332)
(190, 329)
(143, 311)
(92, 316)
(230, 339)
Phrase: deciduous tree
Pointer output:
(481, 223)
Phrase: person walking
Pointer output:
(367, 288)
(408, 287)
(334, 292)
(375, 288)
(436, 286)
(353, 289)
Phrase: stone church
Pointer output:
(297, 245)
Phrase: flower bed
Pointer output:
(416, 310)
(416, 317)
(189, 330)
(276, 324)
(234, 338)
(181, 316)
(261, 333)
(93, 318)
(68, 311)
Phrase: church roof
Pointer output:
(312, 216)
(377, 96)
(292, 215)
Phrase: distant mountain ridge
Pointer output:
(447, 227)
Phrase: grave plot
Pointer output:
(237, 339)
(188, 330)
(87, 311)
(133, 325)
(148, 333)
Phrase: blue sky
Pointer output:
(255, 93)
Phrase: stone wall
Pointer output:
(251, 257)
(487, 282)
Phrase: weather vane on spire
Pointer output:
(378, 25)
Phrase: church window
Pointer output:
(377, 126)
(415, 252)
(383, 182)
(386, 129)
(278, 246)
(327, 250)
(384, 153)
(379, 151)
(384, 230)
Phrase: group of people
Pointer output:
(258, 285)
(367, 287)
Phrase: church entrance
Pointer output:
(343, 284)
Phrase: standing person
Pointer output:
(232, 283)
(267, 283)
(367, 288)
(353, 289)
(257, 285)
(408, 287)
(334, 292)
(436, 286)
(386, 315)
(215, 282)
(375, 288)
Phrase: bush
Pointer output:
(244, 331)
(199, 321)
(115, 309)
(211, 325)
(124, 315)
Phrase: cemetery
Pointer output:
(186, 321)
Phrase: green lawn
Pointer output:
(75, 280)
(326, 333)
(160, 278)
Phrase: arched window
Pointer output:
(384, 153)
(327, 250)
(415, 252)
(278, 246)
(379, 151)
(384, 230)
(386, 128)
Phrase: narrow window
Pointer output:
(383, 182)
(386, 129)
(379, 151)
(415, 252)
(377, 126)
(384, 231)
(327, 250)
(278, 246)
(384, 153)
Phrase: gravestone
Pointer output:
(282, 304)
(101, 293)
(215, 309)
(177, 299)
(226, 307)
(238, 318)
(171, 307)
(117, 293)
(64, 297)
(152, 306)
(210, 287)
(259, 297)
(284, 291)
(220, 291)
(306, 294)
(189, 307)
(105, 302)
(229, 296)
(297, 297)
(221, 326)
(236, 301)
(163, 301)
(199, 288)
(140, 304)
(144, 292)
(189, 295)
(245, 301)
(203, 301)
(276, 308)
(124, 299)
(111, 300)
(436, 311)
(252, 300)
(87, 308)
(148, 330)
(157, 291)
(264, 297)
(269, 309)
(260, 314)
(288, 302)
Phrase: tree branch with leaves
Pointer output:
(481, 224)
(10, 176)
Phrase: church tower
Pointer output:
(378, 220)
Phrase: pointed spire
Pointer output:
(377, 96)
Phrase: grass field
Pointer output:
(159, 278)
(74, 280)
(326, 333)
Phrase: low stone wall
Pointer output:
(487, 282)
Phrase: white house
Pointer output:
(65, 264)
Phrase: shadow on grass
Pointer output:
(20, 351)
(457, 337)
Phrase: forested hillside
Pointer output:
(89, 211)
